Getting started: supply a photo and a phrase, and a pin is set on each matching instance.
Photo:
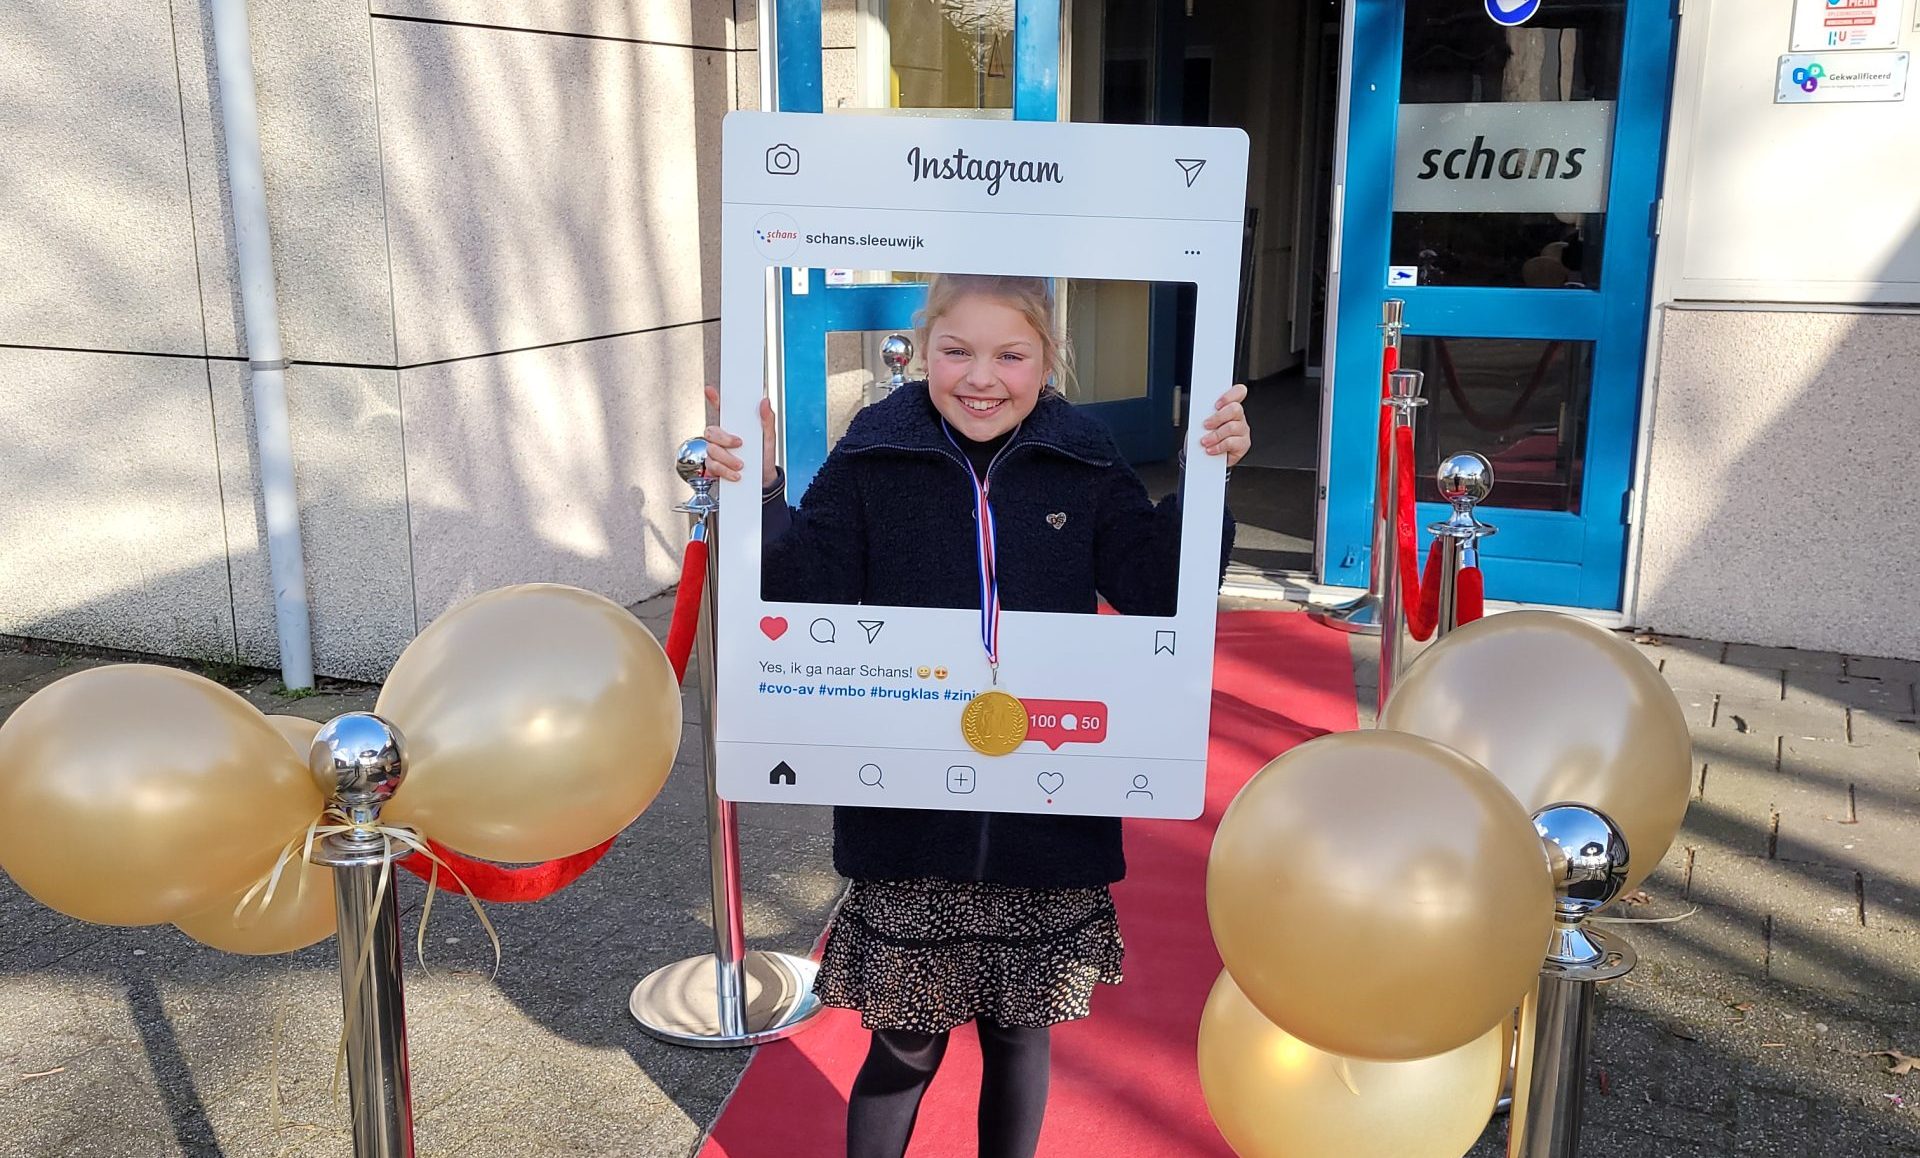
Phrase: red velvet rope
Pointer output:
(494, 882)
(1390, 361)
(1470, 594)
(1420, 595)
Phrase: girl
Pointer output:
(1000, 919)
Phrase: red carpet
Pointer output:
(1125, 1080)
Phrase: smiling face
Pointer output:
(986, 365)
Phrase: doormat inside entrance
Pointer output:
(1125, 1080)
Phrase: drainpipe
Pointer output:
(240, 121)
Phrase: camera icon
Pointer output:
(783, 160)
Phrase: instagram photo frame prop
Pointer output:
(863, 705)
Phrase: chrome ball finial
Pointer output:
(358, 759)
(896, 352)
(691, 460)
(1588, 855)
(1464, 476)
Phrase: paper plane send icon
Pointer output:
(871, 627)
(1191, 166)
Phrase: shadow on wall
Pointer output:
(545, 193)
(1781, 495)
(497, 256)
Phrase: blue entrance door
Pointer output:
(1502, 182)
(925, 63)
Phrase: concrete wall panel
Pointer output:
(1782, 495)
(206, 157)
(110, 527)
(350, 474)
(544, 188)
(313, 70)
(94, 216)
(554, 465)
(701, 23)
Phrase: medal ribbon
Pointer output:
(989, 574)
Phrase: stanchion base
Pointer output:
(1359, 616)
(678, 1003)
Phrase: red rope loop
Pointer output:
(1479, 420)
(1420, 595)
(494, 882)
(1471, 592)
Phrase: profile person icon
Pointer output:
(1140, 788)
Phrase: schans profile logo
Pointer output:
(1809, 77)
(776, 236)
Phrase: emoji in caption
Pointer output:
(923, 671)
(940, 673)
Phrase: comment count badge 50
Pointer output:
(1057, 722)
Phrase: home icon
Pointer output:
(782, 774)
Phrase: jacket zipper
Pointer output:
(986, 818)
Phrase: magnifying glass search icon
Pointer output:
(870, 775)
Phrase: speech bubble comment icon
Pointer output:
(821, 630)
(1057, 722)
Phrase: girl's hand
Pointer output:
(722, 462)
(1227, 430)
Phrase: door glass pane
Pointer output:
(934, 57)
(1520, 402)
(1504, 143)
(857, 375)
(1107, 323)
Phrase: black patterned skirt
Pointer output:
(927, 955)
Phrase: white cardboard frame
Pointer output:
(1114, 204)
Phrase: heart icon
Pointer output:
(773, 626)
(1050, 782)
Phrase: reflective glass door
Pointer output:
(914, 57)
(1501, 181)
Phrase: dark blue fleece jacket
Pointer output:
(889, 520)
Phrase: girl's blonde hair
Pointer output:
(1032, 297)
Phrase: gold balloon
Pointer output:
(298, 731)
(135, 795)
(1379, 896)
(538, 720)
(1561, 711)
(301, 913)
(1274, 1096)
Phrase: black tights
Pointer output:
(1015, 1064)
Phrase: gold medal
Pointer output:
(995, 723)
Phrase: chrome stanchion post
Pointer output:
(1464, 480)
(358, 759)
(1361, 615)
(896, 352)
(1590, 858)
(1403, 394)
(730, 997)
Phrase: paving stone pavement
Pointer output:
(1751, 1027)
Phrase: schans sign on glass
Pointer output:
(1503, 157)
(850, 631)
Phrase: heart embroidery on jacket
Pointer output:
(1057, 520)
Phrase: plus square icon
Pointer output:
(960, 779)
